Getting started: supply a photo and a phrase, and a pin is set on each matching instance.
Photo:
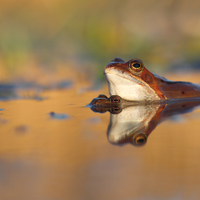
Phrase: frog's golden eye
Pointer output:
(136, 66)
(139, 139)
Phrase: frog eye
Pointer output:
(115, 99)
(139, 139)
(115, 110)
(136, 66)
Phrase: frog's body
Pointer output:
(132, 81)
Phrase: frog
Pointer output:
(132, 81)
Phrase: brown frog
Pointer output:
(132, 81)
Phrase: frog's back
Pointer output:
(178, 89)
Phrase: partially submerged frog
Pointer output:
(132, 81)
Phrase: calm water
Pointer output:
(56, 148)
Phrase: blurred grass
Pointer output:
(88, 34)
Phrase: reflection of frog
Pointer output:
(132, 81)
(134, 123)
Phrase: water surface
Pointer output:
(57, 148)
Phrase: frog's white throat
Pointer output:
(128, 87)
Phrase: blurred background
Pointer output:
(53, 44)
(86, 35)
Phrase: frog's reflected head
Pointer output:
(139, 139)
(132, 125)
(134, 138)
(130, 80)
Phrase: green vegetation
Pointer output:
(91, 33)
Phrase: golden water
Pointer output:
(45, 158)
